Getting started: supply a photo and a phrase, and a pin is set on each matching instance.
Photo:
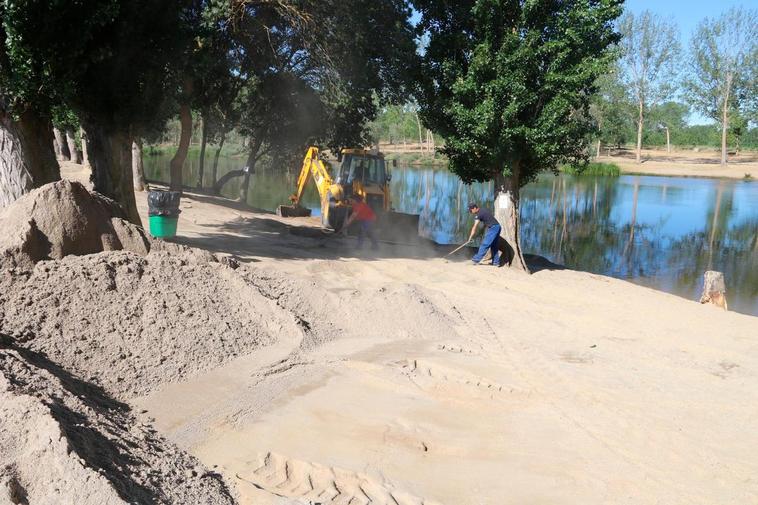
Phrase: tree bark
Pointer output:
(214, 171)
(639, 135)
(668, 140)
(138, 168)
(725, 121)
(71, 141)
(27, 156)
(85, 155)
(420, 140)
(110, 155)
(177, 162)
(60, 138)
(507, 214)
(249, 169)
(597, 153)
(201, 164)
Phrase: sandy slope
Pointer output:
(687, 163)
(446, 383)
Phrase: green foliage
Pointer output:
(508, 83)
(593, 168)
(724, 63)
(108, 60)
(649, 53)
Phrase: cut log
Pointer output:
(714, 289)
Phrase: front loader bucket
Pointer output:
(398, 227)
(292, 211)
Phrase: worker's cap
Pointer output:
(472, 206)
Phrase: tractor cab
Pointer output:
(365, 174)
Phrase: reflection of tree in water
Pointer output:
(572, 221)
(440, 199)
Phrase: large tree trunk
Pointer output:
(138, 169)
(177, 162)
(85, 155)
(27, 157)
(640, 120)
(420, 140)
(252, 158)
(60, 139)
(71, 141)
(201, 165)
(507, 214)
(597, 151)
(110, 154)
(214, 171)
(668, 140)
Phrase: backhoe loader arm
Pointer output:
(312, 165)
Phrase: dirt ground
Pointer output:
(445, 383)
(687, 163)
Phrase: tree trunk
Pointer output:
(110, 155)
(138, 168)
(249, 169)
(60, 138)
(71, 141)
(507, 214)
(27, 156)
(668, 140)
(85, 155)
(214, 171)
(420, 139)
(201, 165)
(725, 124)
(177, 162)
(597, 153)
(639, 135)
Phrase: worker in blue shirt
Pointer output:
(491, 234)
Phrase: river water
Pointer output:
(661, 232)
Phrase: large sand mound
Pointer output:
(130, 323)
(63, 218)
(64, 441)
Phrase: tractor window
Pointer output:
(363, 168)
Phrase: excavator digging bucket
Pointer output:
(292, 211)
(398, 227)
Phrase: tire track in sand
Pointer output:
(313, 484)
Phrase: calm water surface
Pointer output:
(662, 232)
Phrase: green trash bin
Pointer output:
(163, 226)
(163, 213)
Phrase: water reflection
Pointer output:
(662, 232)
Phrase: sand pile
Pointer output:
(82, 332)
(64, 441)
(64, 218)
(130, 323)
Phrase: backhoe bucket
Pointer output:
(292, 211)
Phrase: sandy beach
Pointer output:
(447, 383)
(308, 372)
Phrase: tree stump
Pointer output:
(714, 289)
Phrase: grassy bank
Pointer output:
(594, 168)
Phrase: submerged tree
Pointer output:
(649, 50)
(724, 67)
(508, 84)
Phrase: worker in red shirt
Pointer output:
(366, 216)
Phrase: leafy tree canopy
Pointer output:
(508, 82)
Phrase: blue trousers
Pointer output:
(367, 229)
(489, 242)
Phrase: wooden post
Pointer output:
(714, 289)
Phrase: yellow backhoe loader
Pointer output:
(360, 172)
